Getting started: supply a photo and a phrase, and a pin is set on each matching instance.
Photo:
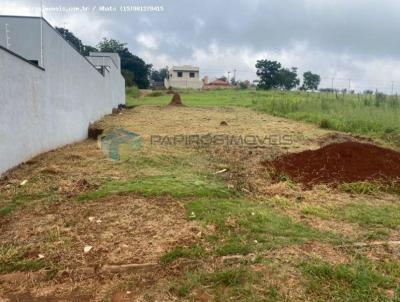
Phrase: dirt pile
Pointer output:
(176, 100)
(340, 163)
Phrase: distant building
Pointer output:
(183, 77)
(216, 84)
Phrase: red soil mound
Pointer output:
(176, 100)
(340, 163)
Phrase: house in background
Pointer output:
(216, 84)
(183, 77)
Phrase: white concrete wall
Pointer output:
(43, 110)
(25, 45)
(181, 83)
(24, 129)
(114, 57)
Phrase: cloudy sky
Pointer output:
(354, 42)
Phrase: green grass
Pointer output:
(20, 199)
(170, 185)
(187, 175)
(12, 259)
(360, 281)
(200, 98)
(181, 252)
(17, 200)
(234, 284)
(235, 246)
(243, 227)
(131, 94)
(350, 113)
(360, 114)
(366, 215)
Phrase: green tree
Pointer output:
(273, 76)
(311, 81)
(268, 72)
(76, 42)
(71, 38)
(129, 77)
(159, 75)
(244, 84)
(287, 78)
(130, 64)
(87, 49)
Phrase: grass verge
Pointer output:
(243, 227)
(360, 281)
(175, 186)
(233, 284)
(364, 214)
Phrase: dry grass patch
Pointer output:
(172, 205)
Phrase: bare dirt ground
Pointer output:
(45, 225)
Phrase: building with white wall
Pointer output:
(49, 92)
(183, 77)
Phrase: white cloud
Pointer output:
(147, 41)
(199, 25)
(88, 27)
(19, 8)
(340, 39)
(217, 60)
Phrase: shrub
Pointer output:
(132, 92)
(325, 124)
(243, 85)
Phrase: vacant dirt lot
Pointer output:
(189, 221)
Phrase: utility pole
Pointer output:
(392, 87)
(349, 84)
(234, 75)
(333, 80)
(7, 37)
(229, 73)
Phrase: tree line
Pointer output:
(273, 76)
